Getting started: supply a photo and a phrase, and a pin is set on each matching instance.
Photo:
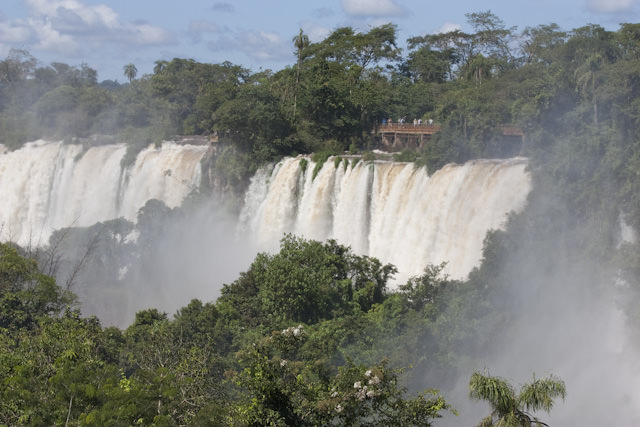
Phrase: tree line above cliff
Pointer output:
(338, 89)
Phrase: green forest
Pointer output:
(313, 334)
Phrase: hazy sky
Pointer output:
(107, 34)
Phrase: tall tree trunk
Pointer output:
(301, 41)
(295, 89)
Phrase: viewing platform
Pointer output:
(407, 136)
(422, 128)
(413, 136)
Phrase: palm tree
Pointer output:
(130, 71)
(587, 79)
(161, 66)
(510, 409)
(301, 41)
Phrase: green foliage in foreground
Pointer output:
(213, 364)
(26, 293)
(307, 281)
(237, 361)
(284, 390)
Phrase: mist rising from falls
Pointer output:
(388, 210)
(45, 186)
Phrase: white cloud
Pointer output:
(264, 45)
(203, 27)
(197, 29)
(71, 27)
(38, 33)
(143, 34)
(315, 32)
(610, 6)
(372, 8)
(448, 27)
(323, 12)
(223, 7)
(258, 45)
(14, 33)
(69, 14)
(51, 40)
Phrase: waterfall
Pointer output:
(392, 211)
(45, 186)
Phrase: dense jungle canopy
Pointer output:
(260, 354)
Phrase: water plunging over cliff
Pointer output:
(49, 185)
(388, 210)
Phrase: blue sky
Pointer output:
(107, 34)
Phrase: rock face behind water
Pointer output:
(388, 210)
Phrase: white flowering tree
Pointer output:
(284, 390)
(371, 396)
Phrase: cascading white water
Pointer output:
(45, 186)
(388, 210)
